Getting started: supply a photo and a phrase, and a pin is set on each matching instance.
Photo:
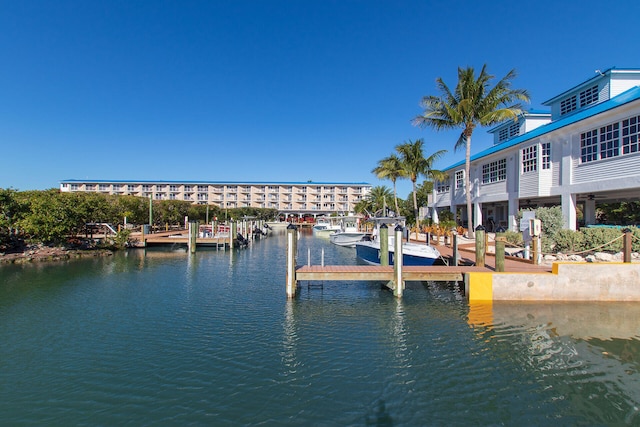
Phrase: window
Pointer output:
(146, 187)
(568, 105)
(203, 196)
(503, 135)
(530, 159)
(609, 141)
(187, 188)
(494, 171)
(589, 146)
(103, 187)
(131, 187)
(630, 132)
(509, 132)
(514, 129)
(442, 187)
(174, 188)
(460, 179)
(589, 96)
(546, 155)
(74, 187)
(202, 188)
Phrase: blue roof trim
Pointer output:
(630, 95)
(141, 181)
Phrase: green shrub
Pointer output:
(514, 238)
(568, 241)
(595, 238)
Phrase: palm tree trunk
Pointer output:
(467, 177)
(415, 201)
(395, 197)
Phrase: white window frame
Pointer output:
(529, 156)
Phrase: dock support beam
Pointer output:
(193, 235)
(480, 246)
(626, 245)
(397, 263)
(456, 255)
(292, 243)
(384, 244)
(232, 233)
(500, 241)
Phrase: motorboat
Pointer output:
(412, 253)
(349, 232)
(325, 226)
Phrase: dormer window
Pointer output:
(568, 105)
(589, 96)
(509, 132)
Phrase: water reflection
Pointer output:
(586, 353)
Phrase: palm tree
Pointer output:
(472, 103)
(378, 197)
(390, 168)
(415, 164)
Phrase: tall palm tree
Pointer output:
(415, 164)
(390, 168)
(472, 103)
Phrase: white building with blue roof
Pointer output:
(585, 150)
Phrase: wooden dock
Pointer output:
(439, 273)
(179, 237)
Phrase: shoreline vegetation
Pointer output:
(43, 253)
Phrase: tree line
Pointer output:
(51, 216)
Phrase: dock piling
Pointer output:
(193, 235)
(480, 246)
(626, 245)
(384, 244)
(397, 263)
(500, 243)
(292, 235)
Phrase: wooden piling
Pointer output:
(193, 236)
(397, 263)
(626, 245)
(480, 246)
(500, 243)
(456, 255)
(232, 233)
(292, 237)
(536, 250)
(384, 244)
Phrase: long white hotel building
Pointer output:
(287, 197)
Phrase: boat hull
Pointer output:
(346, 238)
(412, 254)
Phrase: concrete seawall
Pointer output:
(567, 282)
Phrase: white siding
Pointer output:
(622, 83)
(493, 188)
(615, 167)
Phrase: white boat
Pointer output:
(412, 253)
(348, 234)
(325, 226)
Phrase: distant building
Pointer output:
(287, 197)
(585, 151)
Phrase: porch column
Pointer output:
(569, 211)
(477, 215)
(589, 212)
(512, 215)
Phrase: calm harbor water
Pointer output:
(159, 337)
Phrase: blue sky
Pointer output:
(287, 90)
